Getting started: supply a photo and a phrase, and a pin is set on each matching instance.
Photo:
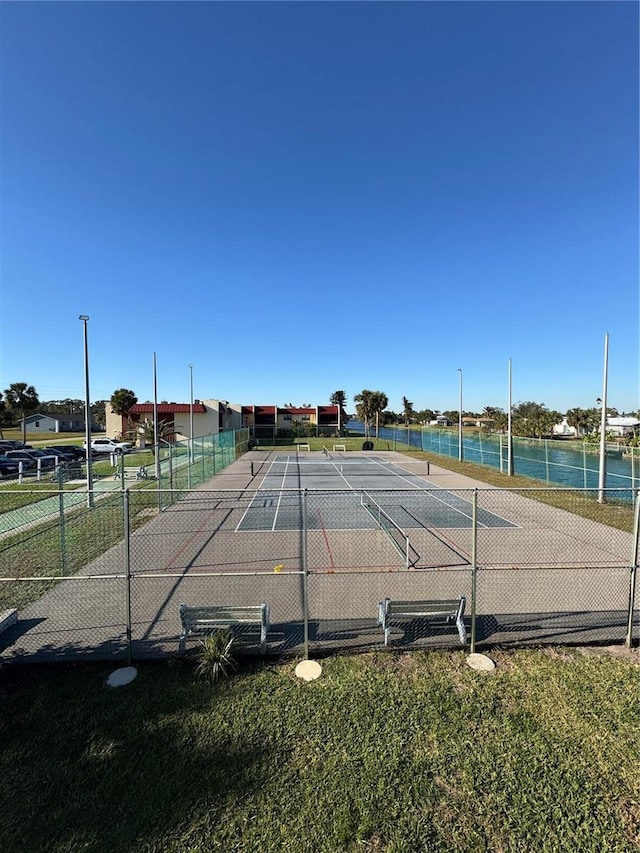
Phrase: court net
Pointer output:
(396, 534)
(328, 465)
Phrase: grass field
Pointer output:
(385, 752)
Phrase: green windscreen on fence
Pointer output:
(186, 464)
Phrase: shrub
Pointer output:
(216, 659)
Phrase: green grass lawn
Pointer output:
(385, 752)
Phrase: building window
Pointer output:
(286, 417)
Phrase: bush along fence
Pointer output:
(338, 570)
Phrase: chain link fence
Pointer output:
(567, 463)
(104, 578)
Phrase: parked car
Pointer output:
(13, 444)
(9, 467)
(46, 459)
(60, 451)
(109, 445)
(74, 450)
(24, 456)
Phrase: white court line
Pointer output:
(386, 466)
(461, 512)
(254, 498)
(442, 489)
(421, 488)
(342, 475)
(282, 486)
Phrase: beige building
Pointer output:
(210, 417)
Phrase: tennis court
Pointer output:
(367, 478)
(372, 512)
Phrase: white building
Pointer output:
(624, 425)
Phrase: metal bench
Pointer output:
(449, 610)
(131, 473)
(244, 621)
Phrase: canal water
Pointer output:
(574, 464)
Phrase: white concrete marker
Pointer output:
(122, 676)
(308, 670)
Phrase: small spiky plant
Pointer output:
(216, 657)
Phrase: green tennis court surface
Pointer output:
(375, 483)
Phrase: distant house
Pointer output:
(480, 423)
(41, 422)
(440, 421)
(624, 425)
(564, 430)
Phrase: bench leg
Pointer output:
(461, 630)
(182, 646)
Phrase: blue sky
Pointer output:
(299, 197)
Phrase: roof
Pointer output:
(623, 420)
(167, 408)
(56, 416)
(39, 415)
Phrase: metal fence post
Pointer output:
(305, 577)
(63, 541)
(634, 571)
(127, 569)
(474, 566)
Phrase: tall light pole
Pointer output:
(602, 472)
(156, 443)
(87, 414)
(460, 454)
(509, 430)
(191, 414)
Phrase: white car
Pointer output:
(108, 445)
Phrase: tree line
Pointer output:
(530, 419)
(20, 400)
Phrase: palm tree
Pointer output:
(166, 429)
(407, 407)
(339, 399)
(24, 399)
(364, 408)
(379, 401)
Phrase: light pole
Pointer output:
(87, 414)
(509, 430)
(602, 468)
(191, 414)
(460, 454)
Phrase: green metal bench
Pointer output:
(448, 610)
(245, 622)
(129, 472)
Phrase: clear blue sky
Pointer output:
(298, 198)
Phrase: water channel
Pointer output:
(562, 463)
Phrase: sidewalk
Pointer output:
(30, 514)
